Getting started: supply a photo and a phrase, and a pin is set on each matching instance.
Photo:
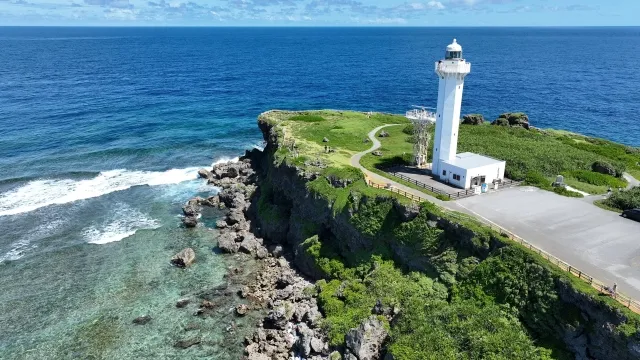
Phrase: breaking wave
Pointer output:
(127, 221)
(40, 193)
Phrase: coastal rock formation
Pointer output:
(293, 210)
(473, 119)
(604, 168)
(365, 342)
(190, 221)
(142, 320)
(513, 119)
(184, 258)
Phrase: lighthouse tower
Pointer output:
(451, 70)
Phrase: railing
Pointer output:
(625, 300)
(455, 195)
(397, 191)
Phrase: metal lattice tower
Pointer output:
(422, 119)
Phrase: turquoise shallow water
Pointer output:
(78, 300)
(102, 131)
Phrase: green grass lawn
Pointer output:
(346, 131)
(550, 153)
(530, 154)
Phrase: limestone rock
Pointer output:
(190, 221)
(383, 134)
(276, 319)
(221, 224)
(185, 344)
(142, 320)
(242, 309)
(604, 168)
(235, 216)
(227, 242)
(473, 119)
(377, 153)
(324, 139)
(205, 174)
(184, 258)
(366, 341)
(182, 303)
(317, 345)
(513, 119)
(190, 210)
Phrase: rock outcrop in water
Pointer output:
(291, 323)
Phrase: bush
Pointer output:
(624, 200)
(307, 118)
(568, 193)
(408, 129)
(595, 178)
(606, 168)
(501, 122)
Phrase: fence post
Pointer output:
(569, 268)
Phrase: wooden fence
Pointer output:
(625, 300)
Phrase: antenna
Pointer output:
(422, 118)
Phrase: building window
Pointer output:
(456, 177)
(444, 172)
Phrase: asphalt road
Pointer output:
(596, 241)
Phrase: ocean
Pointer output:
(103, 131)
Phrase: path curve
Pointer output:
(633, 182)
(355, 162)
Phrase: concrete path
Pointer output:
(355, 162)
(596, 241)
(633, 182)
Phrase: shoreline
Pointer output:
(283, 300)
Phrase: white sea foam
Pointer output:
(26, 243)
(126, 222)
(223, 160)
(40, 193)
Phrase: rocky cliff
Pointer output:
(286, 210)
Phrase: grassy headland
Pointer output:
(454, 288)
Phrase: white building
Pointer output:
(467, 169)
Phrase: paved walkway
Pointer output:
(355, 162)
(633, 182)
(597, 241)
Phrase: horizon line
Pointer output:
(317, 26)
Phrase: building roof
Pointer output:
(454, 46)
(469, 160)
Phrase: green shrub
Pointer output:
(624, 200)
(408, 129)
(568, 193)
(594, 178)
(307, 118)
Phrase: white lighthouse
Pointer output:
(467, 169)
(451, 71)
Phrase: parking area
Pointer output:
(598, 242)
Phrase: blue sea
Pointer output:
(102, 131)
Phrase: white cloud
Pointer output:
(435, 5)
(121, 14)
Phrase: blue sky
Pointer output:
(320, 12)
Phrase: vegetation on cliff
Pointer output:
(534, 155)
(445, 286)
